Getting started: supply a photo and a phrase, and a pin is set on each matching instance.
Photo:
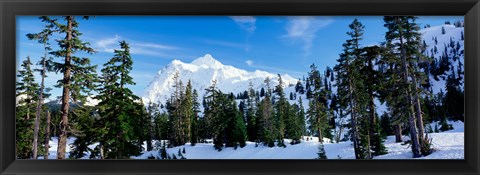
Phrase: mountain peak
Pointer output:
(207, 61)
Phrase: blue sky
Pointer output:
(277, 44)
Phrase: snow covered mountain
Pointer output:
(202, 71)
(443, 39)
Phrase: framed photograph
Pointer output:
(239, 87)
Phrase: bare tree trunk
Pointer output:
(398, 133)
(102, 156)
(418, 109)
(354, 122)
(39, 106)
(369, 150)
(47, 135)
(408, 99)
(320, 137)
(62, 139)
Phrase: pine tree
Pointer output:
(265, 114)
(295, 123)
(77, 72)
(405, 30)
(371, 77)
(194, 119)
(120, 111)
(85, 129)
(187, 110)
(282, 111)
(350, 87)
(27, 94)
(239, 135)
(317, 112)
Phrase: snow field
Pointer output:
(447, 145)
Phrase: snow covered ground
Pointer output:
(447, 145)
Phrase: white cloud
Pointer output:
(245, 22)
(136, 47)
(304, 28)
(249, 62)
(156, 46)
(107, 44)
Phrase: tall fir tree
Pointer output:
(350, 89)
(120, 110)
(77, 73)
(282, 112)
(405, 32)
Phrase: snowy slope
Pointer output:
(202, 72)
(447, 145)
(428, 35)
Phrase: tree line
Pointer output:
(396, 72)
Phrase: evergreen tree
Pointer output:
(78, 75)
(317, 112)
(27, 95)
(454, 97)
(282, 111)
(405, 30)
(120, 112)
(86, 123)
(301, 117)
(299, 87)
(194, 119)
(187, 113)
(238, 134)
(350, 86)
(295, 123)
(371, 81)
(265, 114)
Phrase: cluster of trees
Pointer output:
(114, 123)
(266, 119)
(397, 72)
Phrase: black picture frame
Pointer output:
(10, 8)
